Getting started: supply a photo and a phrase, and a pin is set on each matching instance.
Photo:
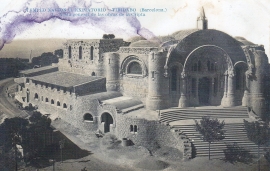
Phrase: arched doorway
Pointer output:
(240, 84)
(107, 120)
(204, 73)
(204, 90)
(175, 70)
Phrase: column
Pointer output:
(245, 101)
(223, 100)
(183, 99)
(197, 90)
(212, 92)
(231, 89)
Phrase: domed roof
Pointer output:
(144, 43)
(135, 39)
(243, 41)
(181, 34)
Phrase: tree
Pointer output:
(105, 36)
(12, 132)
(45, 59)
(259, 133)
(235, 153)
(58, 53)
(211, 130)
(111, 36)
(35, 140)
(30, 134)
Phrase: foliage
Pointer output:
(38, 131)
(58, 53)
(257, 132)
(30, 134)
(14, 130)
(235, 153)
(45, 59)
(108, 36)
(10, 67)
(211, 129)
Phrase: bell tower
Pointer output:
(202, 22)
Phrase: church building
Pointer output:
(121, 86)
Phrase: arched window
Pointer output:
(174, 79)
(212, 67)
(195, 67)
(134, 68)
(88, 117)
(46, 100)
(36, 96)
(135, 128)
(58, 103)
(208, 65)
(65, 105)
(80, 52)
(27, 80)
(52, 101)
(93, 74)
(131, 128)
(69, 52)
(199, 65)
(92, 53)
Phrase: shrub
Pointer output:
(235, 153)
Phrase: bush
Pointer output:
(235, 153)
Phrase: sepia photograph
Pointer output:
(134, 85)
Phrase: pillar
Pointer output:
(183, 102)
(245, 99)
(112, 71)
(223, 100)
(228, 99)
(158, 84)
(257, 99)
(197, 91)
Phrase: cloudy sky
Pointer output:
(245, 18)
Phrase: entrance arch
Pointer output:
(107, 120)
(207, 76)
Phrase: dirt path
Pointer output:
(6, 105)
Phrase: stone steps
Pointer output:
(176, 114)
(180, 121)
(201, 147)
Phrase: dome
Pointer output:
(135, 39)
(243, 41)
(144, 43)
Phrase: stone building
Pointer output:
(116, 86)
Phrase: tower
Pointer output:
(202, 22)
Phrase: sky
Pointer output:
(245, 18)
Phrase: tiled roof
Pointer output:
(29, 71)
(101, 96)
(65, 79)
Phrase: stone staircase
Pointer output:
(176, 114)
(182, 122)
(234, 132)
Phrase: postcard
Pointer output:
(134, 85)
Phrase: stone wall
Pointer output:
(91, 87)
(91, 60)
(149, 133)
(39, 72)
